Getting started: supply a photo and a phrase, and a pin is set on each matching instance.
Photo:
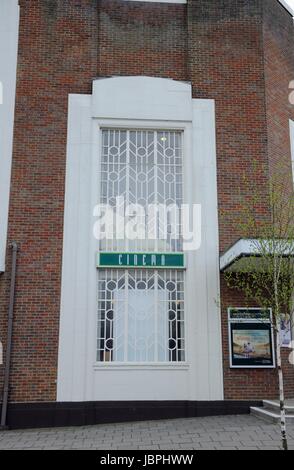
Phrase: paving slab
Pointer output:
(216, 433)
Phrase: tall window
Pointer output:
(141, 312)
(141, 316)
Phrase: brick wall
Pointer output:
(279, 72)
(226, 63)
(138, 38)
(278, 33)
(64, 45)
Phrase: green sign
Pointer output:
(141, 260)
(245, 314)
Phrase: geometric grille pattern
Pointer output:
(141, 316)
(141, 312)
(143, 167)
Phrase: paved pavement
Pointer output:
(221, 433)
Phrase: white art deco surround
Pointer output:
(292, 144)
(9, 20)
(138, 103)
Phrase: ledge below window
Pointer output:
(140, 366)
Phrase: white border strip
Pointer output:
(9, 21)
(158, 1)
(154, 103)
(287, 6)
(283, 2)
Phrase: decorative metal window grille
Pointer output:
(141, 312)
(146, 168)
(141, 316)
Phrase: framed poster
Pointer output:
(251, 339)
(285, 332)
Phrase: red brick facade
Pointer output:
(238, 52)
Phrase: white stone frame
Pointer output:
(9, 21)
(292, 145)
(291, 124)
(287, 6)
(283, 2)
(138, 102)
(158, 1)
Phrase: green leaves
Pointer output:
(270, 281)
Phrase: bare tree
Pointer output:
(267, 277)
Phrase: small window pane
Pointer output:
(141, 322)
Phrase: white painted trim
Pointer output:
(242, 247)
(9, 22)
(283, 2)
(268, 322)
(158, 1)
(287, 6)
(118, 102)
(203, 274)
(292, 145)
(245, 247)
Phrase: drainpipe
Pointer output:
(9, 338)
